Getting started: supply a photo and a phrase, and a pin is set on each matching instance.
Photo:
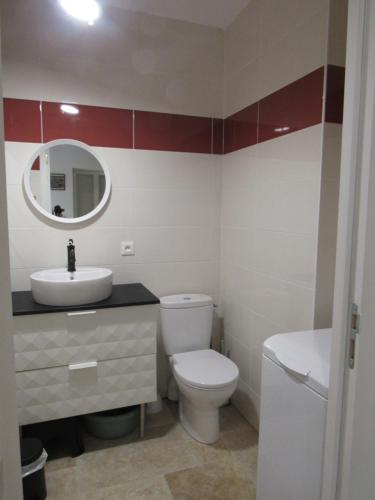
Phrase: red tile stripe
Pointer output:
(96, 126)
(22, 120)
(291, 108)
(335, 94)
(294, 107)
(217, 136)
(241, 129)
(167, 132)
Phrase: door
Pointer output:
(10, 479)
(350, 444)
(356, 478)
(88, 190)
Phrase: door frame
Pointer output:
(351, 237)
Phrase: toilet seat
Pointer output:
(204, 369)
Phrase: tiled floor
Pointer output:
(167, 464)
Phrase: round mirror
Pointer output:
(66, 182)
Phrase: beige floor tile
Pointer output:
(209, 482)
(145, 489)
(240, 439)
(134, 468)
(63, 484)
(160, 456)
(230, 418)
(134, 461)
(243, 446)
(169, 431)
(245, 463)
(216, 453)
(165, 417)
(60, 463)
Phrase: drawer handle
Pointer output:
(82, 366)
(81, 313)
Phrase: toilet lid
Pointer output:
(206, 369)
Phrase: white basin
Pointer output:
(58, 287)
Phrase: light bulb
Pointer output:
(84, 10)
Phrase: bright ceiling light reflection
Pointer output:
(282, 129)
(84, 10)
(68, 108)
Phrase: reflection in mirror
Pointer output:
(67, 181)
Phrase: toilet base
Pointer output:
(201, 423)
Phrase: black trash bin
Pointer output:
(34, 483)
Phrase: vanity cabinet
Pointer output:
(76, 362)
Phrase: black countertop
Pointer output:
(132, 294)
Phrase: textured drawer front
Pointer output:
(43, 341)
(57, 392)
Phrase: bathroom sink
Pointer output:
(58, 287)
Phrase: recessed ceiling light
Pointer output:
(84, 10)
(68, 108)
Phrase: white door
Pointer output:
(357, 471)
(350, 449)
(10, 479)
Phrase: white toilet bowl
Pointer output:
(206, 380)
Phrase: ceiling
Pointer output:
(218, 13)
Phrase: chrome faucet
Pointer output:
(71, 257)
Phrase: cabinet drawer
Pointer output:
(64, 391)
(47, 340)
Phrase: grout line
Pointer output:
(41, 121)
(223, 136)
(133, 128)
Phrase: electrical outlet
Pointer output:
(127, 248)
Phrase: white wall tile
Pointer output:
(167, 203)
(17, 156)
(270, 212)
(174, 207)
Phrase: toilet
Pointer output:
(205, 378)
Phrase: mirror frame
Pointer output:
(45, 213)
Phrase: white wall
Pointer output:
(175, 249)
(270, 213)
(271, 44)
(273, 279)
(127, 60)
(329, 201)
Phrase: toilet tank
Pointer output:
(186, 322)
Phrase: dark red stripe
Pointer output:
(36, 164)
(292, 108)
(241, 129)
(168, 132)
(335, 94)
(217, 136)
(22, 121)
(97, 126)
